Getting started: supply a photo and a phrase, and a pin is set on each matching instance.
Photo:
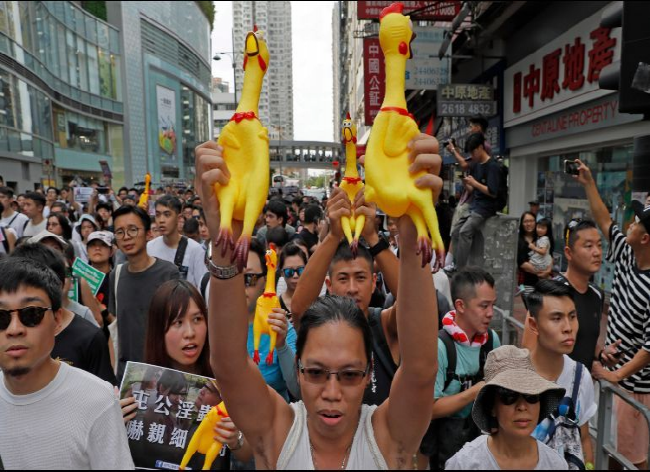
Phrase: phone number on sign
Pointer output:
(467, 108)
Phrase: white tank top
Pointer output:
(364, 454)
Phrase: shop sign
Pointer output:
(437, 11)
(562, 74)
(106, 170)
(466, 100)
(374, 78)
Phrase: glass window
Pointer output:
(93, 69)
(4, 27)
(116, 67)
(102, 36)
(85, 134)
(82, 63)
(63, 62)
(80, 21)
(105, 79)
(114, 39)
(73, 68)
(6, 102)
(91, 29)
(25, 25)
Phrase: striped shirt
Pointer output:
(629, 309)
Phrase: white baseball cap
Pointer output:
(104, 236)
(45, 235)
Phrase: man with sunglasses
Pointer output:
(134, 283)
(554, 323)
(54, 416)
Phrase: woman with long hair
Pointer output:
(528, 275)
(292, 264)
(58, 224)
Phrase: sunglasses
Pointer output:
(289, 273)
(347, 378)
(508, 397)
(251, 279)
(29, 316)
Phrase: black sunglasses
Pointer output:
(289, 273)
(29, 316)
(251, 279)
(509, 397)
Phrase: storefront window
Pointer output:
(85, 134)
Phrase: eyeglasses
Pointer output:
(347, 378)
(251, 279)
(132, 231)
(29, 316)
(508, 397)
(289, 272)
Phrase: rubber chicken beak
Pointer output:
(252, 46)
(347, 134)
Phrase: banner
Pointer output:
(166, 99)
(436, 11)
(82, 194)
(171, 405)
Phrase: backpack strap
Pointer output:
(13, 219)
(204, 283)
(577, 381)
(5, 241)
(450, 346)
(379, 344)
(485, 350)
(25, 225)
(180, 252)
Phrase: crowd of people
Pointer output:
(379, 363)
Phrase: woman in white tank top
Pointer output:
(329, 429)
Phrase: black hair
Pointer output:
(58, 192)
(333, 309)
(23, 272)
(170, 202)
(313, 214)
(259, 251)
(545, 288)
(278, 208)
(63, 206)
(465, 281)
(278, 236)
(191, 226)
(64, 223)
(549, 233)
(47, 256)
(37, 197)
(289, 250)
(522, 231)
(574, 227)
(106, 206)
(133, 210)
(344, 253)
(474, 141)
(7, 192)
(479, 120)
(123, 189)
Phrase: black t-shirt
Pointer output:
(381, 375)
(589, 306)
(83, 345)
(309, 238)
(523, 256)
(488, 174)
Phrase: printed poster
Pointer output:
(171, 405)
(166, 100)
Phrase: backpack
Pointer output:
(446, 436)
(560, 431)
(502, 195)
(5, 241)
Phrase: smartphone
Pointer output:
(103, 190)
(571, 167)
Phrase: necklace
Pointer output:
(345, 457)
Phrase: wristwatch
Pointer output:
(222, 272)
(381, 246)
(240, 442)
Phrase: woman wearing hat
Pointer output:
(513, 401)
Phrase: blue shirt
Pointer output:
(272, 373)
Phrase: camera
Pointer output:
(451, 141)
(571, 167)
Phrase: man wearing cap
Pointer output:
(9, 218)
(628, 335)
(534, 209)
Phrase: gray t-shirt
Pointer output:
(476, 455)
(134, 293)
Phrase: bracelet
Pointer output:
(381, 246)
(222, 272)
(240, 443)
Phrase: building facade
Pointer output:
(223, 105)
(166, 86)
(61, 112)
(276, 99)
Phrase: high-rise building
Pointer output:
(276, 100)
(223, 105)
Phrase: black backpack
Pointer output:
(502, 194)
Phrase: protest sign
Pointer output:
(82, 194)
(171, 405)
(91, 275)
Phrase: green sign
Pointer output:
(91, 275)
(72, 293)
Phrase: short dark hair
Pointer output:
(344, 253)
(313, 214)
(61, 205)
(545, 288)
(290, 250)
(7, 192)
(26, 272)
(573, 228)
(191, 226)
(38, 198)
(277, 236)
(333, 309)
(474, 141)
(58, 192)
(278, 208)
(465, 281)
(133, 210)
(170, 202)
(257, 249)
(479, 120)
(123, 189)
(106, 206)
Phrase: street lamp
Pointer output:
(231, 55)
(279, 129)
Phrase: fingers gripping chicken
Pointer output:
(144, 198)
(265, 305)
(203, 440)
(388, 181)
(351, 184)
(246, 151)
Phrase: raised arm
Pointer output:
(598, 209)
(256, 409)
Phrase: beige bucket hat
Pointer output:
(510, 367)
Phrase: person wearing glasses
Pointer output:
(54, 416)
(514, 399)
(329, 428)
(134, 283)
(292, 264)
(553, 321)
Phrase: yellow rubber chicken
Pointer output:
(265, 305)
(246, 151)
(351, 184)
(144, 198)
(203, 440)
(388, 181)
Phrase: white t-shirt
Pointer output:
(16, 222)
(74, 423)
(586, 407)
(194, 258)
(33, 230)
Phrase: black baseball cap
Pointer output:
(642, 213)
